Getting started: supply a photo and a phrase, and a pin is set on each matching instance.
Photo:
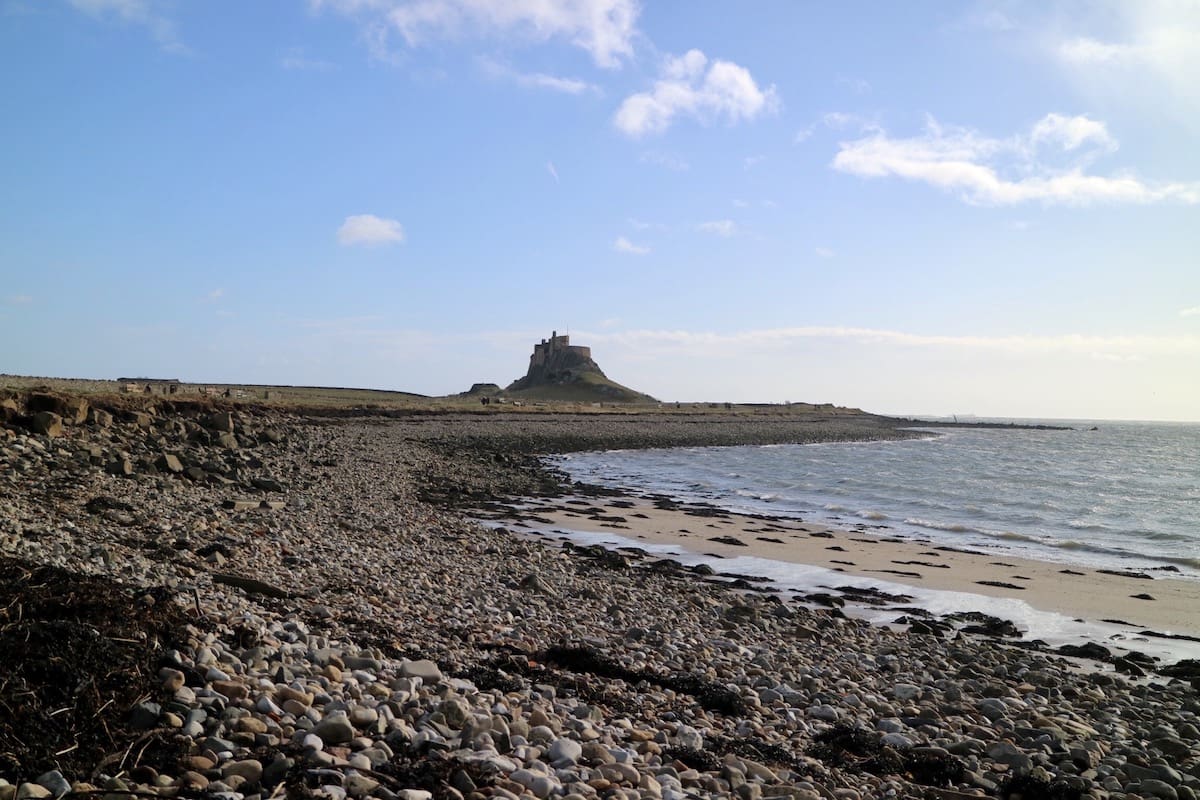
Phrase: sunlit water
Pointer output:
(1124, 496)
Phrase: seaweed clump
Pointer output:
(79, 652)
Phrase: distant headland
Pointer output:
(561, 371)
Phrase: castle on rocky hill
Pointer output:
(555, 361)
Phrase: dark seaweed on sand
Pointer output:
(713, 696)
(854, 748)
(76, 653)
(1027, 787)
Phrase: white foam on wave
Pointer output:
(1051, 627)
(872, 515)
(949, 527)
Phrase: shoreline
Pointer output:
(266, 604)
(1091, 604)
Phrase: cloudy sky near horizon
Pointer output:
(928, 207)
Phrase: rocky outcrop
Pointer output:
(483, 390)
(559, 370)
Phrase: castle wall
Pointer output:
(556, 347)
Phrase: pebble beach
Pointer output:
(301, 605)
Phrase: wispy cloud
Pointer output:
(841, 120)
(1194, 311)
(719, 227)
(534, 80)
(750, 162)
(623, 245)
(856, 85)
(692, 86)
(665, 160)
(369, 229)
(1082, 345)
(603, 28)
(836, 120)
(136, 12)
(214, 295)
(18, 300)
(1047, 164)
(823, 252)
(295, 59)
(552, 170)
(1149, 52)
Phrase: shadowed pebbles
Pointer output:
(355, 637)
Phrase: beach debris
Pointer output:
(251, 585)
(1000, 585)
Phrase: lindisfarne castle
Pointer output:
(561, 370)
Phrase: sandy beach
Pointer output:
(1154, 601)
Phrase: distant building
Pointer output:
(553, 349)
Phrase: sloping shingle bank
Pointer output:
(403, 651)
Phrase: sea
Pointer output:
(1101, 494)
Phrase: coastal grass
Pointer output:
(569, 398)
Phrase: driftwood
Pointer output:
(252, 586)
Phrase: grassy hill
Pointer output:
(585, 387)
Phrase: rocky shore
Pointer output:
(245, 603)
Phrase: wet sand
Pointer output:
(1079, 592)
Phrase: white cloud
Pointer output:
(603, 28)
(1019, 169)
(720, 227)
(665, 160)
(1070, 133)
(552, 170)
(1145, 52)
(804, 134)
(750, 162)
(540, 80)
(1194, 311)
(739, 203)
(18, 300)
(136, 12)
(369, 229)
(692, 86)
(535, 80)
(1083, 51)
(623, 245)
(215, 295)
(824, 252)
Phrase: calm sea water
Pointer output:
(1125, 496)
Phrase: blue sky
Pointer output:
(921, 207)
